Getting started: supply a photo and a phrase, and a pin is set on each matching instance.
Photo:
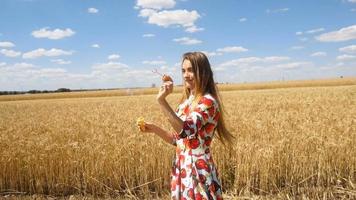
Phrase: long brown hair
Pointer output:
(204, 84)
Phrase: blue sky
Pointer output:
(48, 44)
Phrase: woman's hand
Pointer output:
(152, 128)
(149, 128)
(165, 89)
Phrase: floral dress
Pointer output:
(194, 175)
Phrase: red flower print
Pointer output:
(202, 178)
(216, 117)
(194, 172)
(194, 143)
(207, 102)
(211, 111)
(186, 142)
(195, 183)
(198, 124)
(217, 186)
(193, 166)
(201, 133)
(173, 185)
(178, 181)
(207, 141)
(191, 193)
(212, 188)
(201, 164)
(186, 110)
(186, 125)
(198, 197)
(209, 127)
(173, 171)
(183, 173)
(205, 116)
(181, 158)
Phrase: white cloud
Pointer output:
(146, 12)
(303, 39)
(245, 60)
(193, 29)
(6, 44)
(43, 52)
(211, 54)
(241, 62)
(152, 10)
(25, 76)
(113, 56)
(2, 64)
(61, 62)
(10, 53)
(317, 30)
(55, 34)
(280, 10)
(296, 48)
(166, 18)
(254, 69)
(348, 49)
(232, 49)
(48, 72)
(156, 4)
(352, 1)
(154, 62)
(95, 45)
(344, 34)
(273, 59)
(148, 35)
(187, 41)
(299, 33)
(293, 65)
(346, 57)
(312, 31)
(243, 19)
(110, 66)
(339, 64)
(24, 73)
(93, 10)
(18, 67)
(318, 54)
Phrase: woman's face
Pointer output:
(188, 74)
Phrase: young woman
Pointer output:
(194, 175)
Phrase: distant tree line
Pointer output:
(34, 91)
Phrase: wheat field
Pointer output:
(291, 143)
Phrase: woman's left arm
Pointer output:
(173, 119)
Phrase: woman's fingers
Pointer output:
(165, 89)
(148, 127)
(168, 85)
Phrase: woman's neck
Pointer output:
(192, 92)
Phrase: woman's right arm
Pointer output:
(165, 135)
